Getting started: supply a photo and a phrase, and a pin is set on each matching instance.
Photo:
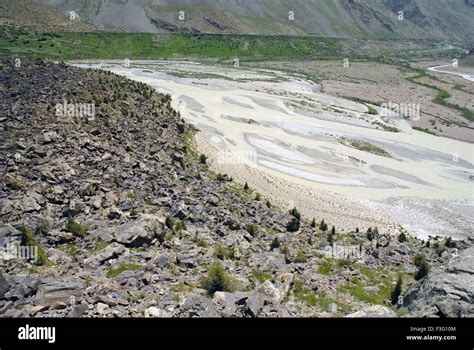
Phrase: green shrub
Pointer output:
(201, 243)
(301, 257)
(180, 226)
(217, 280)
(257, 197)
(202, 159)
(286, 251)
(27, 239)
(169, 222)
(134, 212)
(343, 262)
(121, 268)
(43, 227)
(75, 228)
(275, 244)
(261, 276)
(448, 242)
(325, 268)
(402, 237)
(296, 214)
(222, 252)
(252, 229)
(313, 223)
(423, 266)
(372, 111)
(323, 226)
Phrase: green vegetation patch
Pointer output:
(367, 147)
(121, 268)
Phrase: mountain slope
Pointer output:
(35, 15)
(443, 19)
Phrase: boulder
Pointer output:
(229, 304)
(153, 311)
(445, 292)
(183, 259)
(138, 233)
(269, 262)
(22, 286)
(197, 306)
(54, 290)
(112, 251)
(102, 309)
(255, 303)
(275, 293)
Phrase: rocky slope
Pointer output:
(37, 16)
(443, 19)
(128, 221)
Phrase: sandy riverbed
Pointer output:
(298, 147)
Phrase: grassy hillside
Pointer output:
(70, 45)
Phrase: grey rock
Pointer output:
(269, 262)
(23, 286)
(183, 259)
(4, 286)
(54, 290)
(276, 293)
(139, 232)
(255, 303)
(78, 311)
(332, 307)
(197, 306)
(162, 262)
(230, 303)
(112, 251)
(445, 292)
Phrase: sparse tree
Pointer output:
(323, 226)
(423, 266)
(402, 237)
(275, 243)
(296, 213)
